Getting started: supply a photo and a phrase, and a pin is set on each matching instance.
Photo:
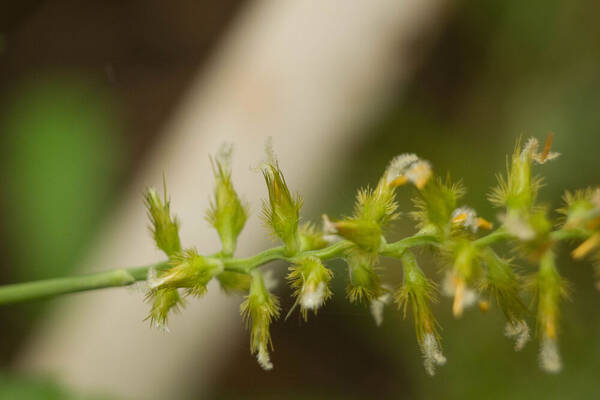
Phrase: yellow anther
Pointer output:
(550, 329)
(584, 248)
(593, 224)
(547, 147)
(421, 173)
(482, 223)
(460, 218)
(459, 295)
(484, 305)
(399, 181)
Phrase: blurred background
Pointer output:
(98, 98)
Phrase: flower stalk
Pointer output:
(454, 232)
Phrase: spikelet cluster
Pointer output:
(258, 310)
(473, 272)
(416, 293)
(309, 279)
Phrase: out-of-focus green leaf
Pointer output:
(60, 156)
(22, 388)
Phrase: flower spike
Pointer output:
(476, 274)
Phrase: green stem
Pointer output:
(126, 276)
(499, 235)
(52, 287)
(567, 234)
(396, 249)
(245, 265)
(141, 273)
(326, 253)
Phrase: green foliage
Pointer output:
(61, 164)
(19, 388)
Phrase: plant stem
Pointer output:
(396, 249)
(126, 276)
(245, 265)
(499, 235)
(326, 253)
(567, 234)
(52, 287)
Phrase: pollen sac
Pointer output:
(466, 269)
(164, 227)
(227, 212)
(467, 218)
(259, 309)
(408, 168)
(587, 246)
(310, 280)
(282, 212)
(530, 150)
(455, 287)
(189, 271)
